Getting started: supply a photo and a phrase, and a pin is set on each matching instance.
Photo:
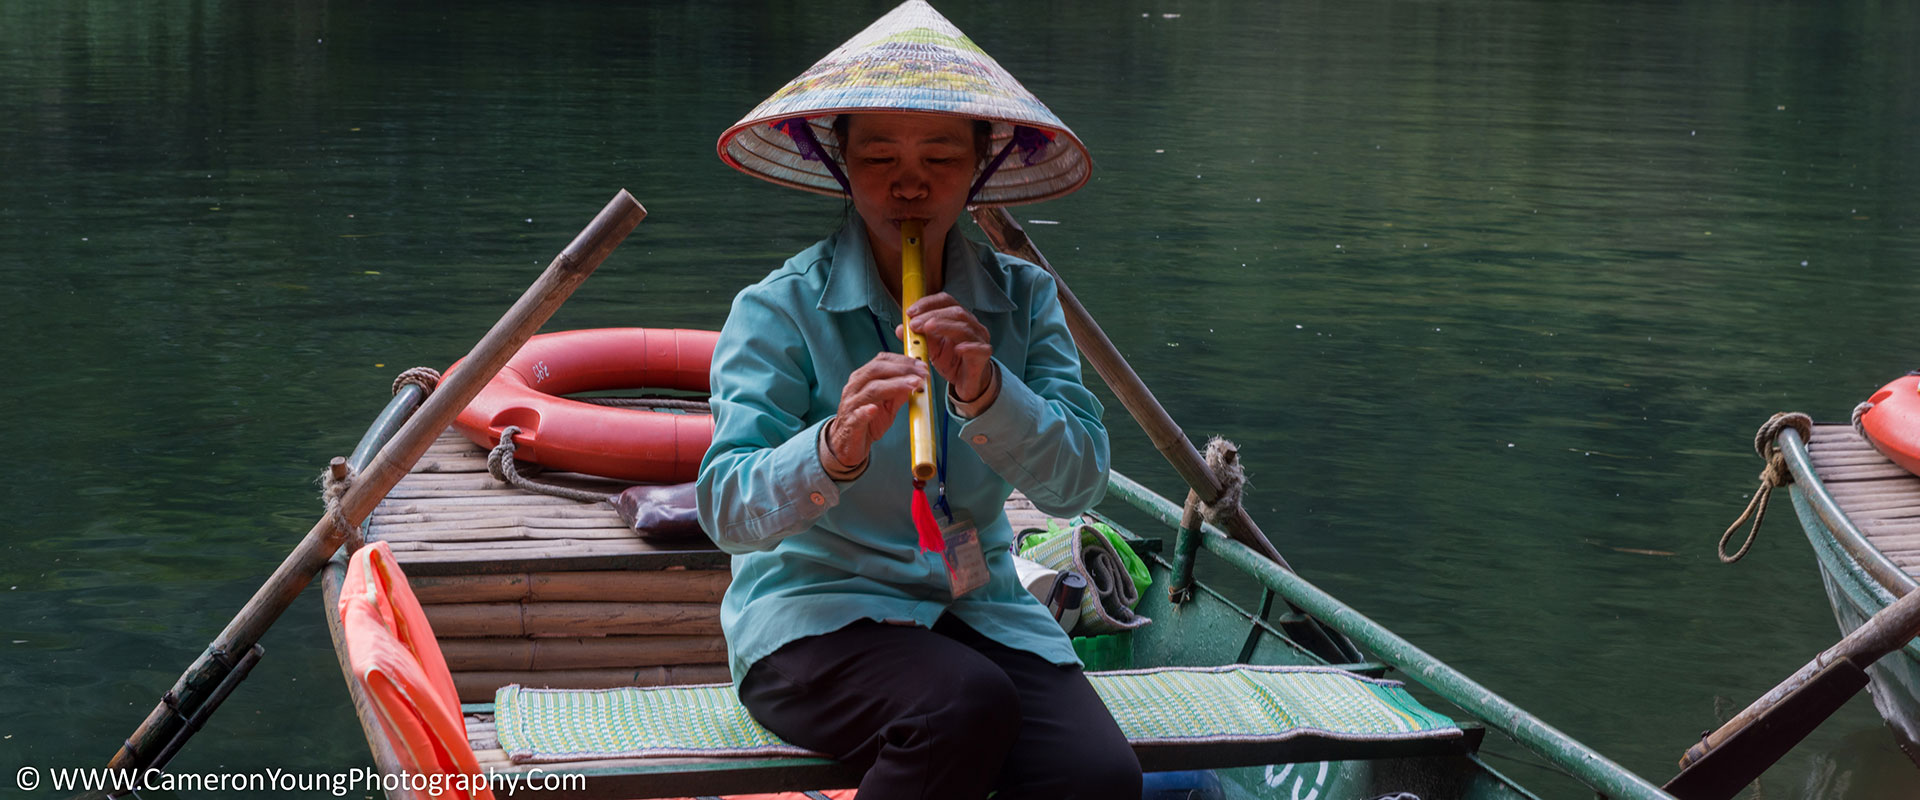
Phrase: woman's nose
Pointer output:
(910, 184)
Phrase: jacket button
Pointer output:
(818, 499)
(979, 438)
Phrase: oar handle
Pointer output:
(913, 286)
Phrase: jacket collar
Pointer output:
(853, 281)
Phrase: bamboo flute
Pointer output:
(558, 282)
(913, 286)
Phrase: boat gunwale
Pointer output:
(1839, 527)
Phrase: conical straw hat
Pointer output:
(912, 59)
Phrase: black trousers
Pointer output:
(943, 713)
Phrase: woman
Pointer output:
(847, 632)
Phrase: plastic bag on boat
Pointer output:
(660, 512)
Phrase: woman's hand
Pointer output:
(869, 403)
(957, 344)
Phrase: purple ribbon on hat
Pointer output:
(1033, 141)
(801, 132)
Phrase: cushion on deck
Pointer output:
(1177, 705)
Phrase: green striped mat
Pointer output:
(1154, 706)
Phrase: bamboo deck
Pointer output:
(543, 591)
(1882, 499)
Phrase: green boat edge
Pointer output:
(1169, 642)
(1860, 581)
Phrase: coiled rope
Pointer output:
(1774, 475)
(503, 468)
(1860, 411)
(427, 378)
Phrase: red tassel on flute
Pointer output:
(931, 539)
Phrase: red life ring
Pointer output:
(1893, 424)
(623, 443)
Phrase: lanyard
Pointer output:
(940, 453)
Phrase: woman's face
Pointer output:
(909, 166)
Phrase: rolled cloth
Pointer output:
(1108, 604)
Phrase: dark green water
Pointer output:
(1490, 294)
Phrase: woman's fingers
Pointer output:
(957, 343)
(871, 400)
(931, 302)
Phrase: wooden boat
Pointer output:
(541, 591)
(1861, 511)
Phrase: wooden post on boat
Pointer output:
(1010, 238)
(1727, 760)
(209, 675)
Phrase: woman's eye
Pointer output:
(877, 160)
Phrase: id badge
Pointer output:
(966, 565)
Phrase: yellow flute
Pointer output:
(913, 286)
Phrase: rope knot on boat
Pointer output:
(427, 378)
(503, 468)
(335, 481)
(1223, 458)
(1774, 475)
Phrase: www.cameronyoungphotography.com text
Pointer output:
(338, 784)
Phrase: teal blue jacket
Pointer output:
(811, 554)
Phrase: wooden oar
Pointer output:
(204, 679)
(1727, 760)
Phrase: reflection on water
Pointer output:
(1490, 295)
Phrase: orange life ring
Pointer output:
(1893, 424)
(623, 443)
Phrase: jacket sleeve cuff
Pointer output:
(831, 465)
(995, 430)
(970, 409)
(803, 496)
